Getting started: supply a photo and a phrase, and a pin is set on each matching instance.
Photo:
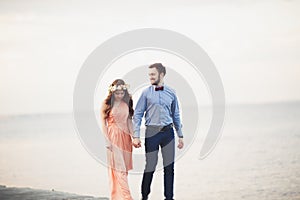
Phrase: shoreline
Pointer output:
(23, 193)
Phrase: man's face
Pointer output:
(154, 76)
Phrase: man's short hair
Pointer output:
(160, 68)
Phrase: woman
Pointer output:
(116, 115)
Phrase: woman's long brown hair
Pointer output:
(110, 99)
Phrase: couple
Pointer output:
(160, 105)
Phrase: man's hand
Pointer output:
(136, 142)
(180, 143)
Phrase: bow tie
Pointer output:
(157, 88)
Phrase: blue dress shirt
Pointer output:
(160, 109)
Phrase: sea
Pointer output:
(257, 156)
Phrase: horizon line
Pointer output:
(203, 105)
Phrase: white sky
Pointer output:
(254, 45)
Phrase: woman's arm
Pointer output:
(104, 125)
(130, 126)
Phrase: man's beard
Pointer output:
(156, 82)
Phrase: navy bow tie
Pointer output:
(157, 88)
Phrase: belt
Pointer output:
(152, 130)
(167, 127)
(160, 128)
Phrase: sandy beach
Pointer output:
(13, 193)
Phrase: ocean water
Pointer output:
(257, 156)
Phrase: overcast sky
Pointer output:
(255, 45)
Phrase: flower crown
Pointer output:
(113, 88)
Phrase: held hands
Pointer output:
(180, 143)
(136, 142)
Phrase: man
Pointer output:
(160, 105)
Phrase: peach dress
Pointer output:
(119, 131)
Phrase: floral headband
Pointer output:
(119, 87)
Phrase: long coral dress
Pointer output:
(119, 157)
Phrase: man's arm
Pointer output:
(139, 111)
(137, 119)
(177, 121)
(176, 116)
